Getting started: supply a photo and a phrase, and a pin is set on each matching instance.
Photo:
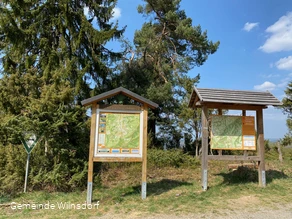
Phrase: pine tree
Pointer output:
(164, 50)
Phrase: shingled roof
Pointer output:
(123, 91)
(201, 96)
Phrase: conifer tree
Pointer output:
(164, 50)
(52, 54)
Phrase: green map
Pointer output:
(226, 132)
(122, 130)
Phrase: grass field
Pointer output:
(170, 191)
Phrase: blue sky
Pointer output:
(255, 50)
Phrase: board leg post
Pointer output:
(143, 190)
(144, 154)
(205, 180)
(91, 152)
(204, 159)
(89, 193)
(261, 148)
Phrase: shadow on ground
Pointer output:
(247, 175)
(157, 188)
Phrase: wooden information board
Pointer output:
(118, 132)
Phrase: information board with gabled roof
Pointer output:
(241, 135)
(118, 131)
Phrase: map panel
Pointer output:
(118, 133)
(226, 132)
(122, 131)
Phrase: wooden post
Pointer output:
(91, 150)
(245, 151)
(220, 114)
(144, 153)
(204, 160)
(261, 148)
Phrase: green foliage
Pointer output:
(46, 171)
(273, 153)
(170, 158)
(267, 145)
(12, 168)
(287, 109)
(52, 55)
(287, 140)
(165, 49)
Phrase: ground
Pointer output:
(172, 192)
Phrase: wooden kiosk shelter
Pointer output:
(220, 99)
(118, 131)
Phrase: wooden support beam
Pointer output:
(91, 149)
(245, 151)
(233, 158)
(117, 159)
(261, 148)
(144, 153)
(204, 159)
(230, 106)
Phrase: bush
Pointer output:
(62, 171)
(170, 158)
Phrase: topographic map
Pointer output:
(226, 132)
(122, 130)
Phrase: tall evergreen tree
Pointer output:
(53, 52)
(165, 49)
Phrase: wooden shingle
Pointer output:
(203, 96)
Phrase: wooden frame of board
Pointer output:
(103, 156)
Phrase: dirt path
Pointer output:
(275, 212)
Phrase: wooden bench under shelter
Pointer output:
(221, 99)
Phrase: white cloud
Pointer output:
(265, 86)
(284, 63)
(280, 38)
(249, 26)
(117, 13)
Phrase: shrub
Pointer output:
(172, 158)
